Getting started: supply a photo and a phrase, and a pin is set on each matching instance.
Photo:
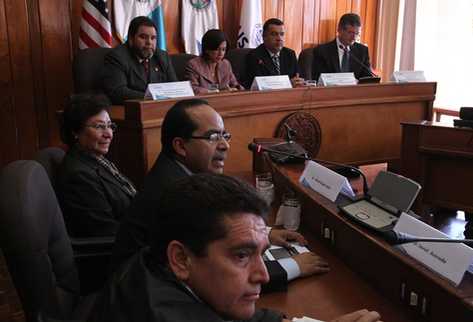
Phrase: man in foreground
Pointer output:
(343, 54)
(194, 140)
(130, 67)
(205, 261)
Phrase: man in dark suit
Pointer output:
(338, 55)
(194, 140)
(271, 57)
(130, 67)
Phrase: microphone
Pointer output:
(397, 238)
(258, 148)
(359, 62)
(290, 132)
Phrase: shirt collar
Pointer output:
(186, 169)
(339, 43)
(271, 54)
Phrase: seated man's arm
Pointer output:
(115, 81)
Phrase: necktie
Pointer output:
(276, 64)
(145, 63)
(345, 61)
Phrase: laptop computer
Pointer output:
(389, 196)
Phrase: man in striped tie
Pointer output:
(130, 67)
(271, 57)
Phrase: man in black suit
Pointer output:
(130, 67)
(194, 140)
(271, 57)
(337, 56)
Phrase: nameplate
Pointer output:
(325, 181)
(264, 83)
(408, 76)
(449, 260)
(337, 79)
(161, 91)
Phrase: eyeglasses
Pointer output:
(103, 126)
(214, 137)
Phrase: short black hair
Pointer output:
(178, 123)
(212, 39)
(78, 109)
(271, 21)
(349, 19)
(193, 209)
(137, 22)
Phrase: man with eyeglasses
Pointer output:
(337, 56)
(194, 140)
(271, 58)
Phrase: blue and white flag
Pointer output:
(250, 34)
(126, 10)
(198, 16)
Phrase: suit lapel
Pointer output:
(266, 61)
(138, 69)
(334, 56)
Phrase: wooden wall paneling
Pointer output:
(231, 20)
(75, 7)
(356, 6)
(270, 9)
(172, 24)
(57, 60)
(293, 18)
(309, 27)
(327, 21)
(342, 7)
(23, 88)
(8, 139)
(369, 20)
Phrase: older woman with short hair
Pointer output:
(92, 193)
(211, 71)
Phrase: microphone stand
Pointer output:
(258, 148)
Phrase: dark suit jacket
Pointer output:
(199, 73)
(326, 60)
(91, 199)
(124, 77)
(134, 229)
(143, 291)
(259, 63)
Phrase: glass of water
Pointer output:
(265, 187)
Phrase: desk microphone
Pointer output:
(397, 238)
(359, 62)
(258, 148)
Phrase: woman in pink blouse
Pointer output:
(210, 71)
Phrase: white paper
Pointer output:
(305, 319)
(263, 83)
(337, 79)
(449, 260)
(408, 76)
(325, 181)
(160, 91)
(300, 249)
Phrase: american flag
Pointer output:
(95, 28)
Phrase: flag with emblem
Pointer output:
(95, 29)
(126, 10)
(250, 34)
(198, 16)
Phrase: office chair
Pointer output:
(36, 246)
(87, 68)
(237, 58)
(304, 63)
(179, 62)
(91, 255)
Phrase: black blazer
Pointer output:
(123, 76)
(135, 226)
(91, 199)
(326, 60)
(259, 63)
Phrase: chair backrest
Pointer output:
(179, 62)
(237, 58)
(34, 241)
(50, 158)
(87, 69)
(305, 60)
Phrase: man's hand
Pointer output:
(297, 81)
(310, 263)
(359, 316)
(282, 237)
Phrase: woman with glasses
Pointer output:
(92, 192)
(210, 72)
